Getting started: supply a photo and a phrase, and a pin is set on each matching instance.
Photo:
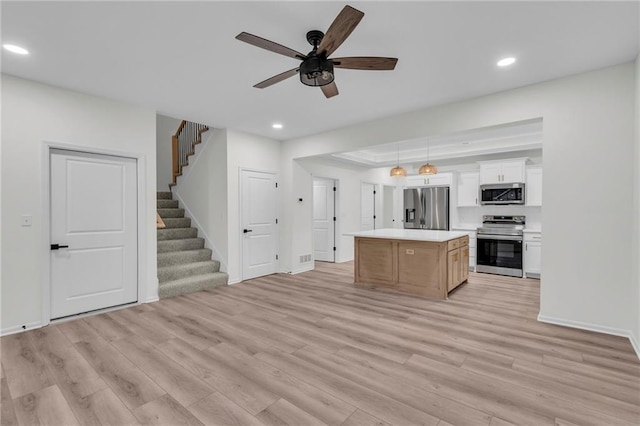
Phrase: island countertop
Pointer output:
(410, 234)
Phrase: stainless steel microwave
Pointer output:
(502, 193)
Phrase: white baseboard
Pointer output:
(152, 299)
(593, 327)
(20, 328)
(635, 344)
(302, 269)
(234, 281)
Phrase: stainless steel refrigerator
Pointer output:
(426, 208)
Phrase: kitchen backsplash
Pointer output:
(472, 216)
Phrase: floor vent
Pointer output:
(305, 258)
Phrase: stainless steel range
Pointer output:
(500, 245)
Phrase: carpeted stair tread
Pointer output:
(184, 265)
(176, 233)
(175, 272)
(165, 246)
(185, 256)
(166, 204)
(166, 213)
(173, 222)
(192, 284)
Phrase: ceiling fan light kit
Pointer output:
(316, 68)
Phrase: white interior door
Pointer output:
(388, 216)
(259, 224)
(324, 234)
(94, 221)
(368, 207)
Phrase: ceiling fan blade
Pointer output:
(342, 26)
(330, 89)
(269, 45)
(277, 78)
(365, 63)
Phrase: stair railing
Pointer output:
(183, 145)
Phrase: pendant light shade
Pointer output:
(398, 171)
(428, 168)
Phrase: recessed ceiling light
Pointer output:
(505, 62)
(16, 49)
(276, 126)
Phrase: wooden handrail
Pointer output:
(183, 144)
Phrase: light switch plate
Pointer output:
(26, 220)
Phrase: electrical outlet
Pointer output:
(26, 220)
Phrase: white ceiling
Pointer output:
(182, 59)
(513, 139)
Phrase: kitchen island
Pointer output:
(427, 263)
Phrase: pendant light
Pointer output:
(398, 171)
(428, 169)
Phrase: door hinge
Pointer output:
(276, 221)
(334, 189)
(334, 218)
(374, 192)
(374, 216)
(276, 184)
(334, 249)
(276, 257)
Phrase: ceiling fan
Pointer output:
(316, 69)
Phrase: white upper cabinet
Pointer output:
(534, 186)
(468, 189)
(507, 171)
(441, 179)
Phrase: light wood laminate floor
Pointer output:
(312, 349)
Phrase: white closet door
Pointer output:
(94, 213)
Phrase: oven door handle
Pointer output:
(500, 237)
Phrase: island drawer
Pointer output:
(458, 242)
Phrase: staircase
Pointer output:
(184, 265)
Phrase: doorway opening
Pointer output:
(324, 219)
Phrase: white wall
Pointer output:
(588, 125)
(33, 113)
(210, 190)
(203, 192)
(348, 201)
(166, 127)
(244, 151)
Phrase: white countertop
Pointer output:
(409, 234)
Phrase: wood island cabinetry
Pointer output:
(427, 263)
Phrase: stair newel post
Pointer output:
(174, 157)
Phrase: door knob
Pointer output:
(57, 246)
(247, 230)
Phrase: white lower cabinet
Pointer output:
(532, 254)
